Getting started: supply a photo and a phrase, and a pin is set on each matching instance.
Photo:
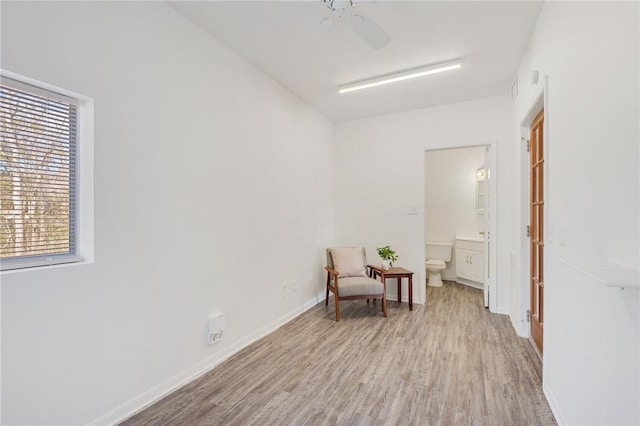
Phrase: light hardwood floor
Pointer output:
(447, 362)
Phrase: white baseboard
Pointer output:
(393, 297)
(553, 404)
(152, 395)
(469, 283)
(503, 310)
(522, 328)
(515, 326)
(448, 277)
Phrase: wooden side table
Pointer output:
(395, 272)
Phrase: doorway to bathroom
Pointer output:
(458, 214)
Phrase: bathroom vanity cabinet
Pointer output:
(470, 262)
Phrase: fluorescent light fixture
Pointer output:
(400, 76)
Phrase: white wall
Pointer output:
(212, 189)
(450, 197)
(589, 52)
(379, 174)
(202, 165)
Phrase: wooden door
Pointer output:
(536, 230)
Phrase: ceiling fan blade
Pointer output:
(370, 31)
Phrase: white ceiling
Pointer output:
(286, 41)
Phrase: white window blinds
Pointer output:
(37, 176)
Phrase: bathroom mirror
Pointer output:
(481, 189)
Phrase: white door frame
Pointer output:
(492, 144)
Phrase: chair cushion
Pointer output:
(359, 286)
(348, 261)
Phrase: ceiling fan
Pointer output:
(366, 28)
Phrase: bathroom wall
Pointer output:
(450, 196)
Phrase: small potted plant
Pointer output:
(388, 256)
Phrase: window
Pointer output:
(38, 215)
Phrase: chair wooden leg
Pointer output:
(384, 305)
(335, 296)
(326, 298)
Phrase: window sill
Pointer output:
(8, 266)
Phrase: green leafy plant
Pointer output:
(388, 254)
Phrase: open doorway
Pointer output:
(459, 224)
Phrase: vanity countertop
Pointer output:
(475, 237)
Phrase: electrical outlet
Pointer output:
(216, 326)
(215, 337)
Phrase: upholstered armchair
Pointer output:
(347, 278)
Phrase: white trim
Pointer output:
(38, 88)
(39, 84)
(22, 263)
(469, 283)
(84, 221)
(553, 404)
(85, 210)
(145, 399)
(514, 325)
(393, 296)
(502, 310)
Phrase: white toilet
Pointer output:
(437, 256)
